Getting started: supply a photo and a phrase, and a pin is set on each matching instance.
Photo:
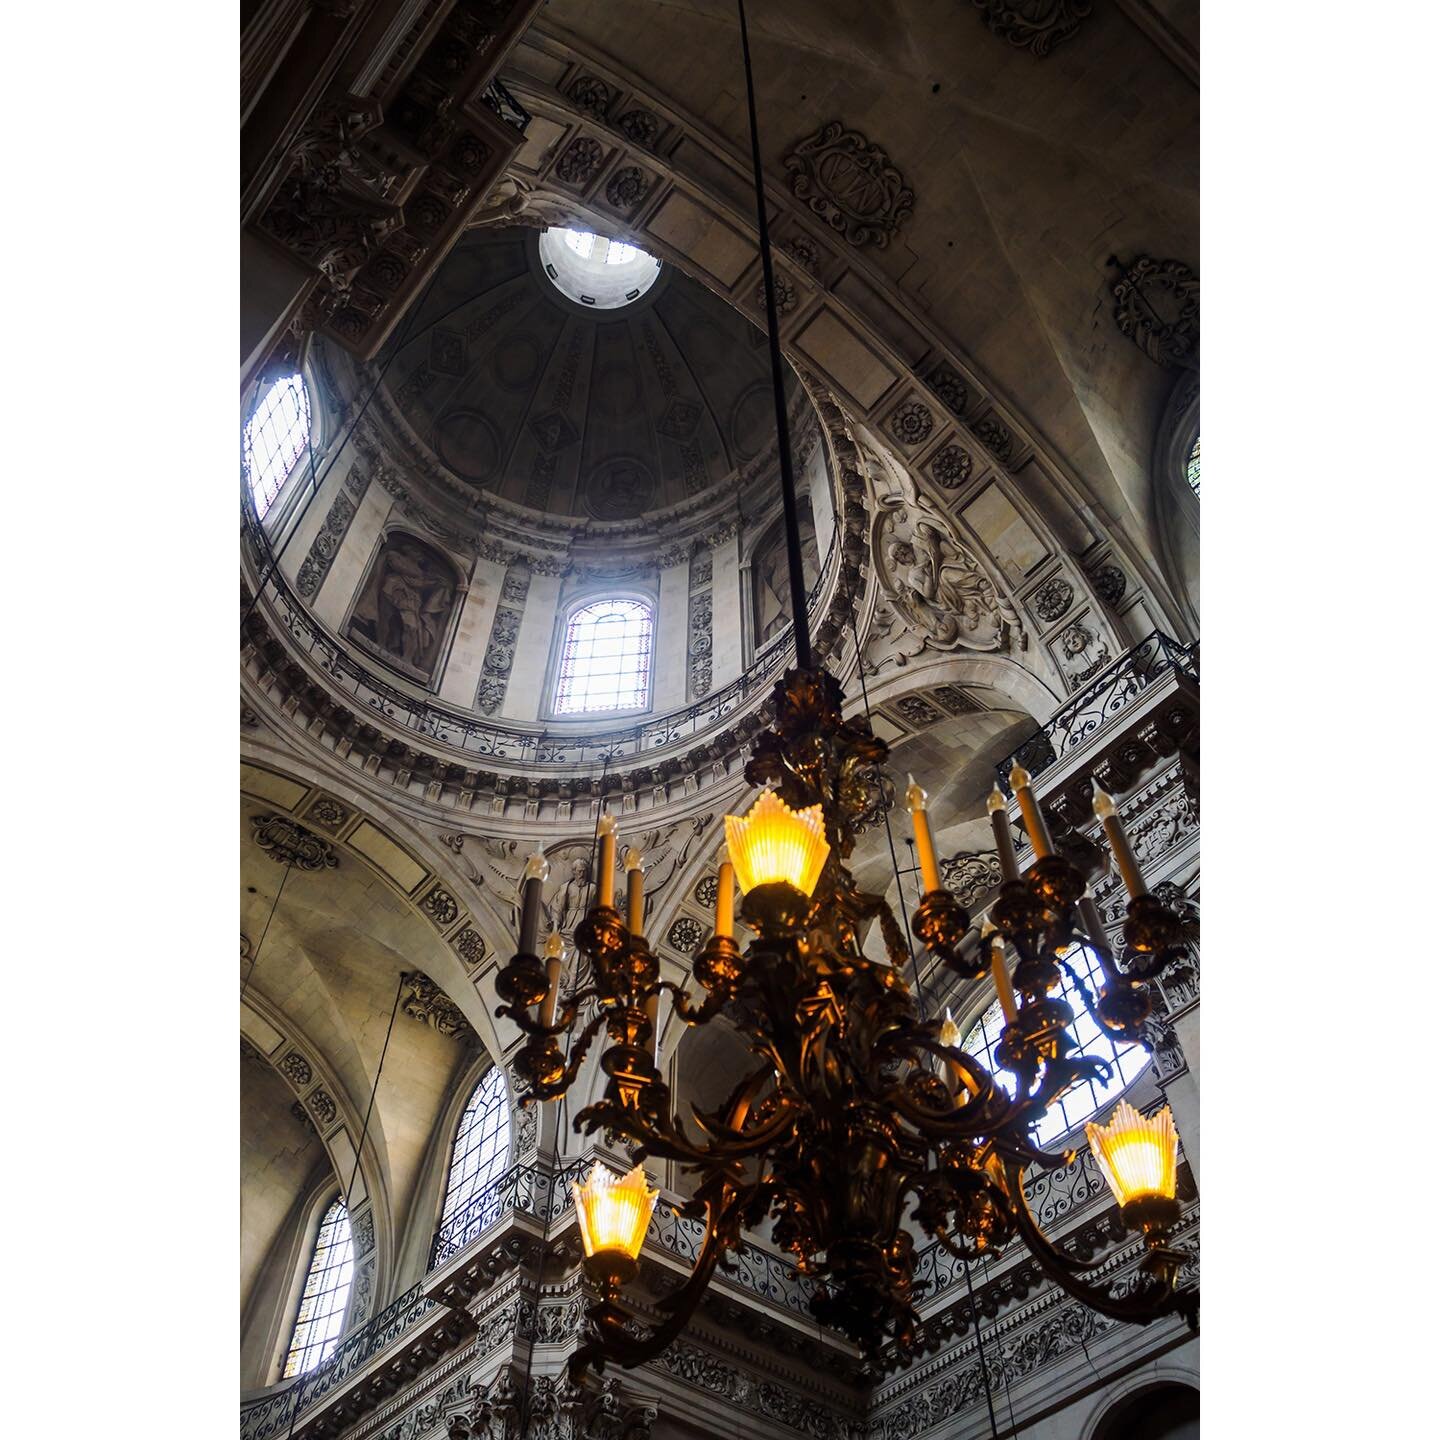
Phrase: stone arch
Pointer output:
(1163, 1373)
(872, 344)
(414, 870)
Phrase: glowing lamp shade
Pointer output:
(614, 1214)
(1136, 1155)
(774, 842)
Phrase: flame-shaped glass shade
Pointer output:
(614, 1214)
(1135, 1154)
(774, 842)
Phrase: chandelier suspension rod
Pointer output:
(798, 613)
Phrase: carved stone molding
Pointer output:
(971, 875)
(1157, 305)
(287, 843)
(423, 999)
(850, 184)
(1053, 599)
(1034, 25)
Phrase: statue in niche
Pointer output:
(936, 587)
(567, 909)
(406, 603)
(772, 576)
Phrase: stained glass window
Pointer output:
(276, 435)
(482, 1144)
(327, 1289)
(1127, 1062)
(1192, 467)
(605, 661)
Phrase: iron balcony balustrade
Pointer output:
(1070, 1196)
(1105, 700)
(538, 749)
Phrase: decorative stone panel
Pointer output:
(504, 631)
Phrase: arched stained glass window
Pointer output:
(1192, 467)
(276, 435)
(323, 1300)
(605, 658)
(1127, 1062)
(482, 1147)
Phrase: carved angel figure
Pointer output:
(948, 600)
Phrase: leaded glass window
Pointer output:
(605, 658)
(327, 1289)
(276, 435)
(1127, 1062)
(482, 1145)
(1192, 467)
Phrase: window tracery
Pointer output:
(327, 1289)
(1192, 468)
(605, 658)
(1127, 1062)
(482, 1144)
(276, 435)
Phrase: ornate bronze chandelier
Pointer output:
(859, 1113)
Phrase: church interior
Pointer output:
(681, 438)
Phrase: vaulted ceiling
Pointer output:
(1030, 172)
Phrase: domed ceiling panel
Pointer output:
(520, 392)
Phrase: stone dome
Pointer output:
(522, 393)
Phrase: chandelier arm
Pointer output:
(613, 1337)
(708, 1009)
(554, 1089)
(1154, 1293)
(568, 1012)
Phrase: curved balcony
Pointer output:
(329, 689)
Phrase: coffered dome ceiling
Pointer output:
(519, 391)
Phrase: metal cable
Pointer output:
(890, 837)
(980, 1350)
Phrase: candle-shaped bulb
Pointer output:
(1019, 776)
(634, 893)
(606, 829)
(949, 1030)
(725, 895)
(924, 841)
(554, 959)
(995, 801)
(987, 928)
(1104, 803)
(537, 867)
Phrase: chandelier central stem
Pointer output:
(798, 610)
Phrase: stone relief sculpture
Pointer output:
(934, 586)
(405, 605)
(772, 576)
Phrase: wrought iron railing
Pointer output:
(533, 1189)
(506, 106)
(1113, 691)
(513, 746)
(1052, 1196)
(271, 1414)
